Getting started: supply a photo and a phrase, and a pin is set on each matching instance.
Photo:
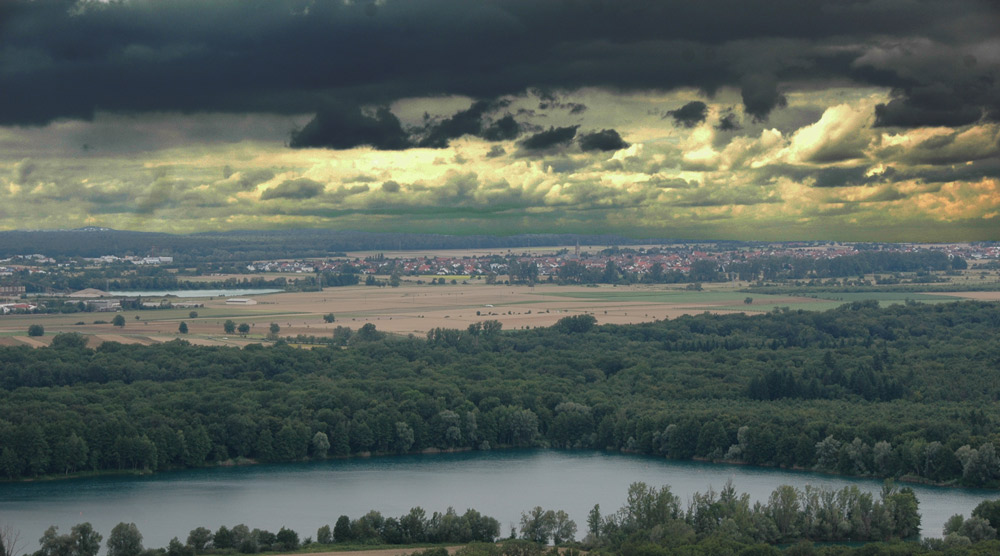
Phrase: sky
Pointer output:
(852, 120)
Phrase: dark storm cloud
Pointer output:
(829, 177)
(339, 127)
(931, 105)
(690, 115)
(548, 100)
(847, 176)
(67, 59)
(468, 122)
(934, 86)
(554, 136)
(504, 129)
(728, 122)
(496, 151)
(760, 96)
(604, 140)
(302, 188)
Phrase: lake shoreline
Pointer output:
(502, 484)
(908, 479)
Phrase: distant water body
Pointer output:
(196, 293)
(305, 496)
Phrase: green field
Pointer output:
(898, 297)
(669, 296)
(734, 300)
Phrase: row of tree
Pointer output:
(651, 521)
(655, 516)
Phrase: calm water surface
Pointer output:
(306, 496)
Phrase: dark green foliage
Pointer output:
(199, 539)
(125, 540)
(69, 340)
(287, 539)
(651, 521)
(342, 530)
(576, 324)
(414, 527)
(906, 390)
(176, 548)
(990, 511)
(324, 535)
(81, 541)
(223, 538)
(36, 330)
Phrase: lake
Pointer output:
(305, 496)
(197, 293)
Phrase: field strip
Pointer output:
(30, 341)
(377, 552)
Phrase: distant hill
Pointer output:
(252, 244)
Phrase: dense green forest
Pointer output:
(652, 522)
(902, 391)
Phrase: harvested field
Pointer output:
(417, 308)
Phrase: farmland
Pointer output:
(415, 308)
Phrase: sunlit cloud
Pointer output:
(842, 128)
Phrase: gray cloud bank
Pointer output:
(69, 58)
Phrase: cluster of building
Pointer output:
(111, 259)
(631, 260)
(294, 267)
(7, 308)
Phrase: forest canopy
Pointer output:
(902, 391)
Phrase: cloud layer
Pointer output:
(778, 119)
(70, 58)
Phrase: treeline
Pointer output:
(866, 262)
(159, 280)
(370, 529)
(652, 521)
(775, 268)
(915, 397)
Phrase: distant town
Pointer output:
(532, 265)
(635, 260)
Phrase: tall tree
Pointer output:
(125, 540)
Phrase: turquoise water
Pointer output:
(305, 496)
